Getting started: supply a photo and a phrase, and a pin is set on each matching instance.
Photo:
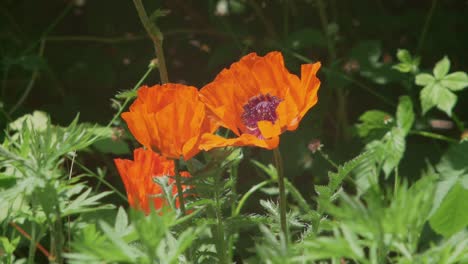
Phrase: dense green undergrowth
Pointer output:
(388, 187)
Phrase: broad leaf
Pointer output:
(405, 114)
(441, 68)
(455, 81)
(452, 215)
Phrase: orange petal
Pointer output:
(210, 141)
(268, 129)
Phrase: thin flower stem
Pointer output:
(434, 136)
(233, 174)
(282, 193)
(325, 156)
(54, 23)
(91, 173)
(324, 22)
(221, 245)
(458, 122)
(180, 191)
(31, 82)
(248, 194)
(27, 236)
(269, 26)
(157, 38)
(127, 100)
(422, 38)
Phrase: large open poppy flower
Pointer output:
(137, 176)
(258, 99)
(169, 119)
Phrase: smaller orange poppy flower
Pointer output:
(258, 99)
(169, 118)
(138, 178)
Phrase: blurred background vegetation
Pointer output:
(65, 57)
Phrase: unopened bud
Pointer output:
(154, 63)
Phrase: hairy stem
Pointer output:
(157, 38)
(221, 244)
(127, 100)
(282, 192)
(180, 191)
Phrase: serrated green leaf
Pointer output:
(403, 67)
(424, 79)
(455, 81)
(441, 68)
(405, 114)
(452, 215)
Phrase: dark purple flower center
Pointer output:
(260, 108)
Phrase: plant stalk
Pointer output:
(180, 190)
(157, 38)
(282, 193)
(221, 244)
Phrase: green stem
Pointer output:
(248, 194)
(30, 84)
(127, 100)
(54, 23)
(32, 243)
(233, 238)
(221, 245)
(458, 122)
(434, 136)
(397, 183)
(282, 192)
(422, 38)
(325, 156)
(91, 173)
(157, 38)
(180, 191)
(269, 26)
(324, 22)
(59, 235)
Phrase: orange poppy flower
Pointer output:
(169, 119)
(258, 99)
(137, 176)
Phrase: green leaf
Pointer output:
(403, 67)
(452, 215)
(404, 55)
(424, 79)
(121, 221)
(455, 81)
(374, 123)
(395, 145)
(405, 114)
(436, 95)
(441, 68)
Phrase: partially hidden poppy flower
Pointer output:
(138, 178)
(169, 119)
(258, 99)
